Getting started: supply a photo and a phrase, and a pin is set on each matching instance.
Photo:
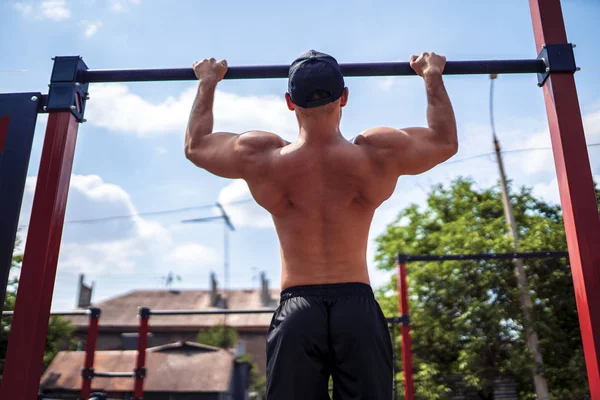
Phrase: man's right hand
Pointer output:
(428, 63)
(210, 70)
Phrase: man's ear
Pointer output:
(288, 99)
(344, 98)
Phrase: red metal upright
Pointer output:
(87, 374)
(406, 344)
(23, 367)
(580, 212)
(140, 367)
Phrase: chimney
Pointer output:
(214, 296)
(84, 293)
(265, 295)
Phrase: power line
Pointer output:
(491, 153)
(148, 213)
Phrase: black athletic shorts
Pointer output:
(335, 330)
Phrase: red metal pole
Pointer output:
(29, 328)
(87, 374)
(580, 212)
(140, 368)
(406, 344)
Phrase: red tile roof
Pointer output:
(177, 367)
(121, 312)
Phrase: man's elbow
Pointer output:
(452, 148)
(194, 155)
(448, 148)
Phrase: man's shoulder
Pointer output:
(261, 140)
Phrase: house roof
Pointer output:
(121, 311)
(192, 368)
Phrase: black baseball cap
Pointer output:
(313, 71)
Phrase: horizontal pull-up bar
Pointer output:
(404, 258)
(534, 66)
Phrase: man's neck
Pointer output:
(319, 130)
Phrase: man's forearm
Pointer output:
(440, 115)
(200, 123)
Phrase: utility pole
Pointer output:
(540, 382)
(228, 226)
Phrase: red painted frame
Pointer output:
(138, 388)
(406, 344)
(578, 199)
(90, 352)
(582, 224)
(23, 366)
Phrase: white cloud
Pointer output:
(386, 83)
(90, 28)
(547, 191)
(194, 255)
(121, 5)
(56, 10)
(111, 246)
(24, 8)
(243, 214)
(115, 107)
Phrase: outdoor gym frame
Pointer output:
(555, 66)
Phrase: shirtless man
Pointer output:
(322, 191)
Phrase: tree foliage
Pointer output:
(222, 336)
(466, 316)
(226, 337)
(59, 331)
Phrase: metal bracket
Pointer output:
(140, 372)
(94, 312)
(558, 58)
(66, 93)
(87, 373)
(144, 312)
(402, 319)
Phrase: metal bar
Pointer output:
(406, 343)
(211, 312)
(114, 375)
(90, 351)
(576, 186)
(391, 320)
(18, 114)
(29, 328)
(140, 367)
(489, 256)
(53, 314)
(281, 71)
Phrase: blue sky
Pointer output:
(129, 157)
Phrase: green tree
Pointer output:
(226, 337)
(222, 336)
(466, 315)
(59, 331)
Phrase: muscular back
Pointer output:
(322, 190)
(322, 197)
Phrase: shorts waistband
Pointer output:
(328, 290)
